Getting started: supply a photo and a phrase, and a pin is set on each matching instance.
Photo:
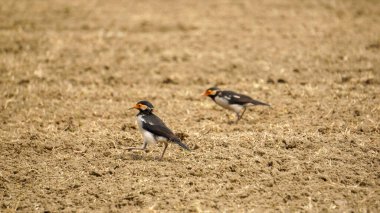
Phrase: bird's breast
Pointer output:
(140, 119)
(225, 104)
(222, 102)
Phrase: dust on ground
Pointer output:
(69, 70)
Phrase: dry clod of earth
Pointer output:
(69, 70)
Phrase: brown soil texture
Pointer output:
(69, 71)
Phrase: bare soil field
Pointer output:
(69, 71)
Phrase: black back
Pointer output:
(236, 98)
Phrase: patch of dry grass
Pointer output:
(70, 70)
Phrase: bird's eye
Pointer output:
(143, 106)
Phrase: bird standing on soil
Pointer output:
(232, 101)
(153, 129)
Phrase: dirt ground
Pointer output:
(69, 71)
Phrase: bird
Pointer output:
(153, 129)
(232, 101)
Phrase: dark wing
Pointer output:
(156, 126)
(236, 98)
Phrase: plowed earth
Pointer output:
(69, 70)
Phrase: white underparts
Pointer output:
(148, 136)
(224, 103)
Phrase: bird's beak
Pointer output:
(206, 93)
(135, 107)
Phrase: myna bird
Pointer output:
(232, 101)
(153, 129)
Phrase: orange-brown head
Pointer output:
(143, 106)
(211, 92)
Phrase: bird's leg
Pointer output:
(163, 152)
(243, 112)
(143, 147)
(239, 116)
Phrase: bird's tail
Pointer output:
(255, 102)
(178, 141)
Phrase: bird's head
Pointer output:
(143, 106)
(211, 92)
